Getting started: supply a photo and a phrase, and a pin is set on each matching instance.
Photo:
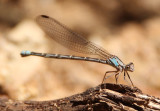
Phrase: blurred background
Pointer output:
(127, 29)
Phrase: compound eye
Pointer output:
(130, 67)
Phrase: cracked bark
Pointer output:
(105, 97)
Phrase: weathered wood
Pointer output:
(105, 97)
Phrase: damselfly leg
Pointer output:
(129, 78)
(117, 76)
(112, 73)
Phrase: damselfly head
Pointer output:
(129, 67)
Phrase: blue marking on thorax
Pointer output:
(120, 62)
(115, 61)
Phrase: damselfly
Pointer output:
(66, 37)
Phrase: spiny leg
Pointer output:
(117, 75)
(129, 78)
(125, 77)
(110, 75)
(107, 76)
